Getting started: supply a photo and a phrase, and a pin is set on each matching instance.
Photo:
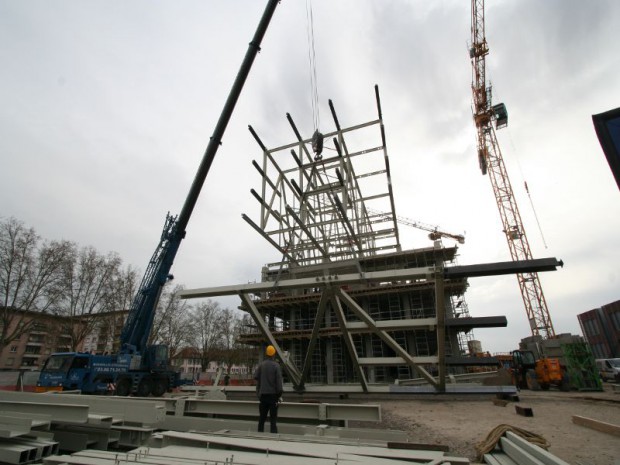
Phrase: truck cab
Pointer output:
(66, 371)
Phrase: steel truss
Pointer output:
(314, 205)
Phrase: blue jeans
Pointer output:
(268, 404)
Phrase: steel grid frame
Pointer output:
(313, 206)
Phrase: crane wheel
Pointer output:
(144, 387)
(532, 382)
(160, 386)
(123, 387)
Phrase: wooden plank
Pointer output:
(597, 425)
(525, 411)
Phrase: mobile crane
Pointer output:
(139, 368)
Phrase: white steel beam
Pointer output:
(17, 454)
(321, 281)
(362, 315)
(294, 410)
(58, 411)
(272, 444)
(121, 408)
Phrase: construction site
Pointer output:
(376, 341)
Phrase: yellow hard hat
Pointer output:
(270, 351)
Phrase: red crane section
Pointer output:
(492, 163)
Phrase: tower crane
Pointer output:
(434, 232)
(492, 163)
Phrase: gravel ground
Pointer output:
(462, 422)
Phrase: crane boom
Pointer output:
(492, 163)
(140, 368)
(434, 232)
(137, 329)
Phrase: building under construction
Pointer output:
(344, 303)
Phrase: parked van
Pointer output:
(609, 368)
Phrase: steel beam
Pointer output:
(293, 410)
(455, 272)
(362, 315)
(12, 426)
(301, 449)
(440, 312)
(538, 453)
(58, 411)
(17, 454)
(319, 281)
(290, 368)
(318, 319)
(121, 408)
(477, 322)
(348, 340)
(501, 268)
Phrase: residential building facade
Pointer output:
(601, 329)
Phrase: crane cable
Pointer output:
(314, 93)
(527, 190)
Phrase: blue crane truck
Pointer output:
(139, 368)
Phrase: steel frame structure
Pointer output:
(492, 162)
(345, 303)
(314, 207)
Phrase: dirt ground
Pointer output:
(462, 422)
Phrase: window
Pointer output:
(13, 349)
(598, 350)
(591, 327)
(10, 361)
(615, 319)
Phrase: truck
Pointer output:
(529, 373)
(139, 368)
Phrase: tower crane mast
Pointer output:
(492, 163)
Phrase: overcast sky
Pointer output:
(106, 108)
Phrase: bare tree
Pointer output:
(123, 288)
(229, 321)
(88, 283)
(172, 321)
(119, 297)
(30, 277)
(239, 353)
(207, 331)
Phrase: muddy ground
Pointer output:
(462, 422)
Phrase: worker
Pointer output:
(269, 390)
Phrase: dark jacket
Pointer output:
(268, 378)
